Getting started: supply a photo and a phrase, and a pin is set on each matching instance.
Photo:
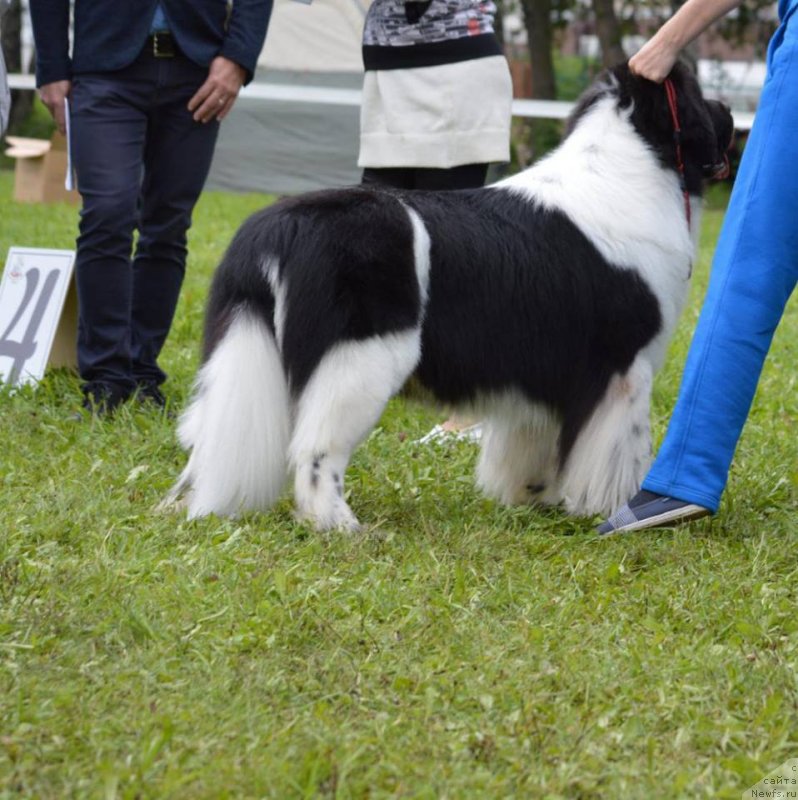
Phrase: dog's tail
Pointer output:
(238, 423)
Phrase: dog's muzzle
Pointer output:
(719, 171)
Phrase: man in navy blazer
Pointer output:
(147, 84)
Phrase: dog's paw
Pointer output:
(337, 518)
(172, 504)
(526, 494)
(543, 494)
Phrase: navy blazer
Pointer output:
(109, 34)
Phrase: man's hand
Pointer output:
(53, 96)
(215, 98)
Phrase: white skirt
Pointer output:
(440, 117)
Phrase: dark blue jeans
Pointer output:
(141, 162)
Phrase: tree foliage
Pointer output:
(11, 42)
(753, 23)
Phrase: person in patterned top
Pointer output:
(437, 94)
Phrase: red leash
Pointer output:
(670, 91)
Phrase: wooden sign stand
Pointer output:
(64, 352)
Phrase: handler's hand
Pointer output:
(654, 60)
(215, 98)
(53, 96)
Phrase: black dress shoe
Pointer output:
(150, 397)
(101, 400)
(148, 394)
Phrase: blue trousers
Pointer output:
(141, 162)
(753, 274)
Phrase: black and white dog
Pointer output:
(543, 304)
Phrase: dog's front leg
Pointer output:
(518, 457)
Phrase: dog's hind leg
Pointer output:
(518, 457)
(611, 454)
(340, 404)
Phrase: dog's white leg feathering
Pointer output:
(612, 452)
(237, 425)
(518, 458)
(342, 402)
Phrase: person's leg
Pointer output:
(397, 177)
(753, 274)
(465, 176)
(108, 130)
(177, 158)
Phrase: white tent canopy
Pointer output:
(288, 147)
(323, 36)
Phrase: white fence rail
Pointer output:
(323, 95)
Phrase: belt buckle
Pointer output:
(163, 45)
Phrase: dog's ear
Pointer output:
(649, 111)
(644, 100)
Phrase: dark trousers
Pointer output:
(466, 176)
(141, 162)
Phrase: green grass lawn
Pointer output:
(455, 649)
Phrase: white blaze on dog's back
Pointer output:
(421, 248)
(271, 270)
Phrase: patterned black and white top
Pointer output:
(400, 34)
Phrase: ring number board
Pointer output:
(38, 313)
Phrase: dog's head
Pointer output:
(706, 125)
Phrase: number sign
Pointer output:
(32, 294)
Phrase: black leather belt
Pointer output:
(163, 44)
